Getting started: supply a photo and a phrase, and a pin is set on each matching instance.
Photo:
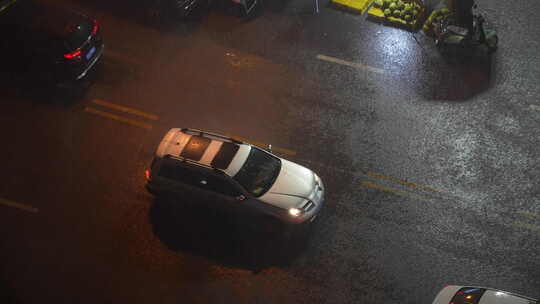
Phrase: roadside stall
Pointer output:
(407, 14)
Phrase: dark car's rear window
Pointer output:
(43, 23)
(77, 34)
(468, 295)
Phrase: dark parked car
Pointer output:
(179, 9)
(47, 45)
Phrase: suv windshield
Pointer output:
(259, 172)
(77, 34)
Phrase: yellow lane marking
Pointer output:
(118, 118)
(521, 224)
(125, 109)
(402, 182)
(265, 146)
(245, 60)
(391, 190)
(24, 207)
(529, 214)
(219, 270)
(351, 64)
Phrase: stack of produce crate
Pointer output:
(408, 14)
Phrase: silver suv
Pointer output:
(230, 174)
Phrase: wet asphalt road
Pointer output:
(431, 169)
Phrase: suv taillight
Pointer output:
(73, 55)
(95, 27)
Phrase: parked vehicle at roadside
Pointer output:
(46, 44)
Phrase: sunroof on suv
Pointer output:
(195, 147)
(468, 295)
(226, 153)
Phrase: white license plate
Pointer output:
(90, 53)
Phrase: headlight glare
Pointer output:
(295, 212)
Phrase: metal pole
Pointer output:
(317, 6)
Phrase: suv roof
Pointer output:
(204, 148)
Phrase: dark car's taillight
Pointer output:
(95, 27)
(73, 55)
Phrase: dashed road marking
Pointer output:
(530, 215)
(391, 190)
(351, 64)
(525, 225)
(399, 181)
(118, 118)
(20, 206)
(242, 61)
(223, 271)
(125, 109)
(265, 146)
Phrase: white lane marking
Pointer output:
(351, 64)
(13, 204)
(534, 107)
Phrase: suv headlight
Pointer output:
(306, 207)
(295, 212)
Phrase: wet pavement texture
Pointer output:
(431, 168)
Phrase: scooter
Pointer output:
(456, 41)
